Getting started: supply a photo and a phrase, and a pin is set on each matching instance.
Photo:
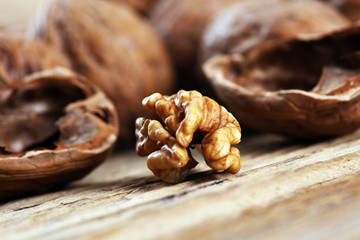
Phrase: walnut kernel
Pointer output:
(190, 119)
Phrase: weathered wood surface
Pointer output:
(285, 190)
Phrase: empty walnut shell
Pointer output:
(303, 88)
(247, 24)
(113, 47)
(20, 57)
(55, 128)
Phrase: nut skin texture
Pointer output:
(84, 130)
(190, 119)
(305, 88)
(109, 44)
(21, 57)
(244, 26)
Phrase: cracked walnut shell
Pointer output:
(189, 119)
(305, 88)
(55, 128)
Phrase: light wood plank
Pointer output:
(281, 182)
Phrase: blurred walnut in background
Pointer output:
(142, 6)
(350, 8)
(195, 30)
(113, 47)
(181, 24)
(20, 57)
(248, 24)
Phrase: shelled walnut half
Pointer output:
(306, 88)
(189, 119)
(55, 128)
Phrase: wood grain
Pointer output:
(286, 189)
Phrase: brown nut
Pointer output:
(55, 128)
(350, 8)
(142, 6)
(247, 24)
(20, 57)
(302, 88)
(181, 24)
(113, 47)
(189, 119)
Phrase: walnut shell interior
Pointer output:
(305, 88)
(55, 128)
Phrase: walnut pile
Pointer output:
(189, 120)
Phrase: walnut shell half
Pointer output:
(303, 88)
(55, 128)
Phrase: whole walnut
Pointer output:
(20, 57)
(142, 6)
(113, 47)
(248, 24)
(181, 24)
(351, 8)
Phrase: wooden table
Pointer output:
(285, 190)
